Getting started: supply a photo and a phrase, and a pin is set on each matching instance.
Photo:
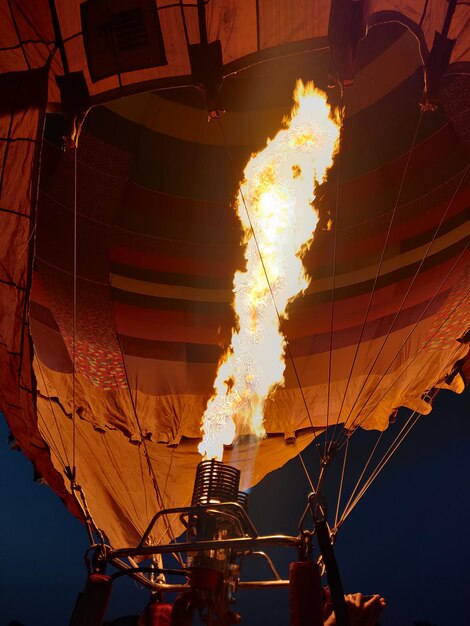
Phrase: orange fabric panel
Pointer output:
(283, 21)
(114, 472)
(385, 372)
(115, 477)
(234, 22)
(21, 134)
(430, 16)
(166, 399)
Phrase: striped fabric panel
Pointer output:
(168, 242)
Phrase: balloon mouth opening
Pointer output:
(244, 440)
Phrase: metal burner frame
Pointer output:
(248, 543)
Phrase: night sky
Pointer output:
(407, 539)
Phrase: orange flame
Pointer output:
(275, 206)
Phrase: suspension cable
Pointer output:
(405, 430)
(406, 340)
(74, 322)
(364, 469)
(408, 291)
(333, 284)
(341, 484)
(143, 439)
(379, 267)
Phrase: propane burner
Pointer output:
(215, 482)
(220, 536)
(219, 507)
(218, 514)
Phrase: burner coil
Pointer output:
(215, 483)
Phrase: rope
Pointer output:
(306, 472)
(356, 487)
(144, 442)
(74, 323)
(379, 352)
(144, 486)
(408, 337)
(76, 487)
(405, 430)
(392, 218)
(333, 284)
(340, 490)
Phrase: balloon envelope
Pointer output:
(127, 334)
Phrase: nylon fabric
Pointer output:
(158, 243)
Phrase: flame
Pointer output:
(275, 206)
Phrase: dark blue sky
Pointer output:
(407, 539)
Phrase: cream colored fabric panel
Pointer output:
(392, 264)
(234, 23)
(400, 380)
(250, 128)
(102, 408)
(114, 473)
(256, 459)
(412, 9)
(435, 12)
(170, 291)
(183, 122)
(69, 17)
(166, 417)
(175, 51)
(369, 399)
(286, 21)
(434, 20)
(460, 31)
(397, 63)
(9, 36)
(181, 378)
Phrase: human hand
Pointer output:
(364, 610)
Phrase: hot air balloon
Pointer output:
(119, 252)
